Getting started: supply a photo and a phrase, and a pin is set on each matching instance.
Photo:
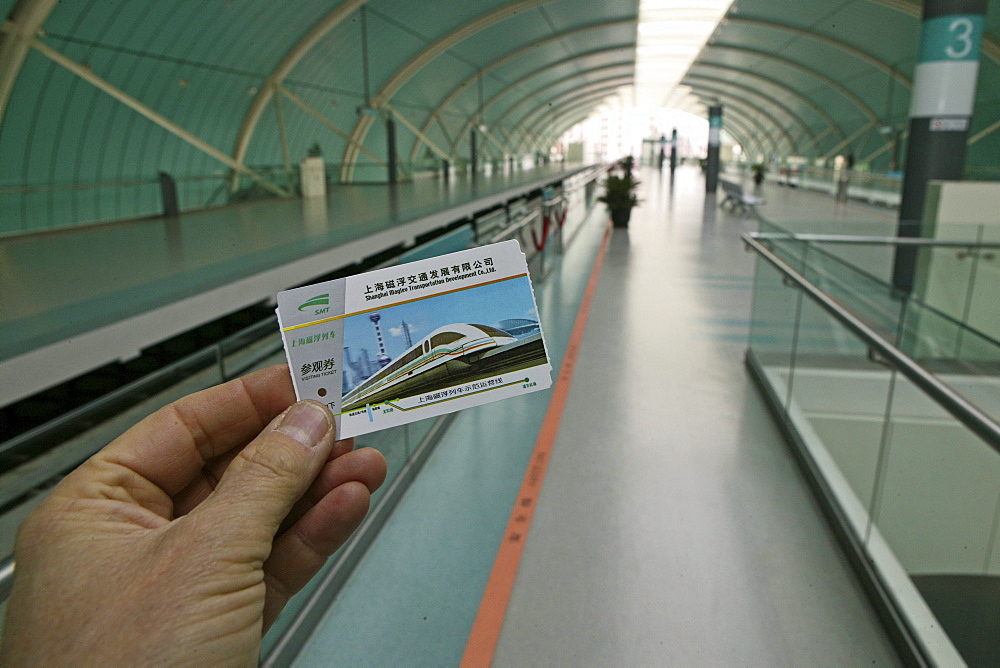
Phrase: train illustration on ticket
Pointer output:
(416, 340)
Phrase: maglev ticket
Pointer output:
(416, 340)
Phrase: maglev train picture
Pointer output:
(444, 357)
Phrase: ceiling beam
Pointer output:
(283, 68)
(517, 53)
(860, 131)
(755, 94)
(533, 95)
(748, 120)
(421, 137)
(751, 141)
(626, 78)
(734, 126)
(312, 111)
(559, 63)
(914, 8)
(814, 144)
(786, 89)
(587, 100)
(867, 58)
(547, 133)
(606, 86)
(88, 75)
(417, 63)
(584, 108)
(730, 101)
(558, 105)
(819, 76)
(983, 133)
(743, 135)
(700, 108)
(23, 24)
(554, 103)
(556, 128)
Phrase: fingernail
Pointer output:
(307, 423)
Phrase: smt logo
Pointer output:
(318, 300)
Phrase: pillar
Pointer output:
(473, 149)
(944, 92)
(714, 138)
(673, 150)
(390, 138)
(168, 194)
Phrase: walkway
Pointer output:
(674, 526)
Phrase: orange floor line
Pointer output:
(486, 629)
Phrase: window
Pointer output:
(444, 338)
(492, 331)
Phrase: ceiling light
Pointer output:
(671, 33)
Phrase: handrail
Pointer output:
(516, 227)
(584, 177)
(854, 239)
(877, 241)
(959, 407)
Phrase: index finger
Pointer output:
(172, 445)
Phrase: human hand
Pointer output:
(182, 540)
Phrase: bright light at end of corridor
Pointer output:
(671, 33)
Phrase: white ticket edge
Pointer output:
(452, 363)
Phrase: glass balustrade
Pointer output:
(889, 400)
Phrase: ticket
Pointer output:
(416, 340)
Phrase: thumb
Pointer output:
(269, 475)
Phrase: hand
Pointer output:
(183, 539)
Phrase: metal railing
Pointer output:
(860, 239)
(50, 206)
(858, 184)
(975, 251)
(964, 411)
(873, 427)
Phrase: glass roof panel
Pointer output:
(670, 35)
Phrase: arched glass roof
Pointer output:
(814, 79)
(99, 96)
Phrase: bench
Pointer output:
(738, 201)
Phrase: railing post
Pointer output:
(969, 291)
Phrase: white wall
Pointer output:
(963, 211)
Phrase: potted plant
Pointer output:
(619, 196)
(757, 172)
